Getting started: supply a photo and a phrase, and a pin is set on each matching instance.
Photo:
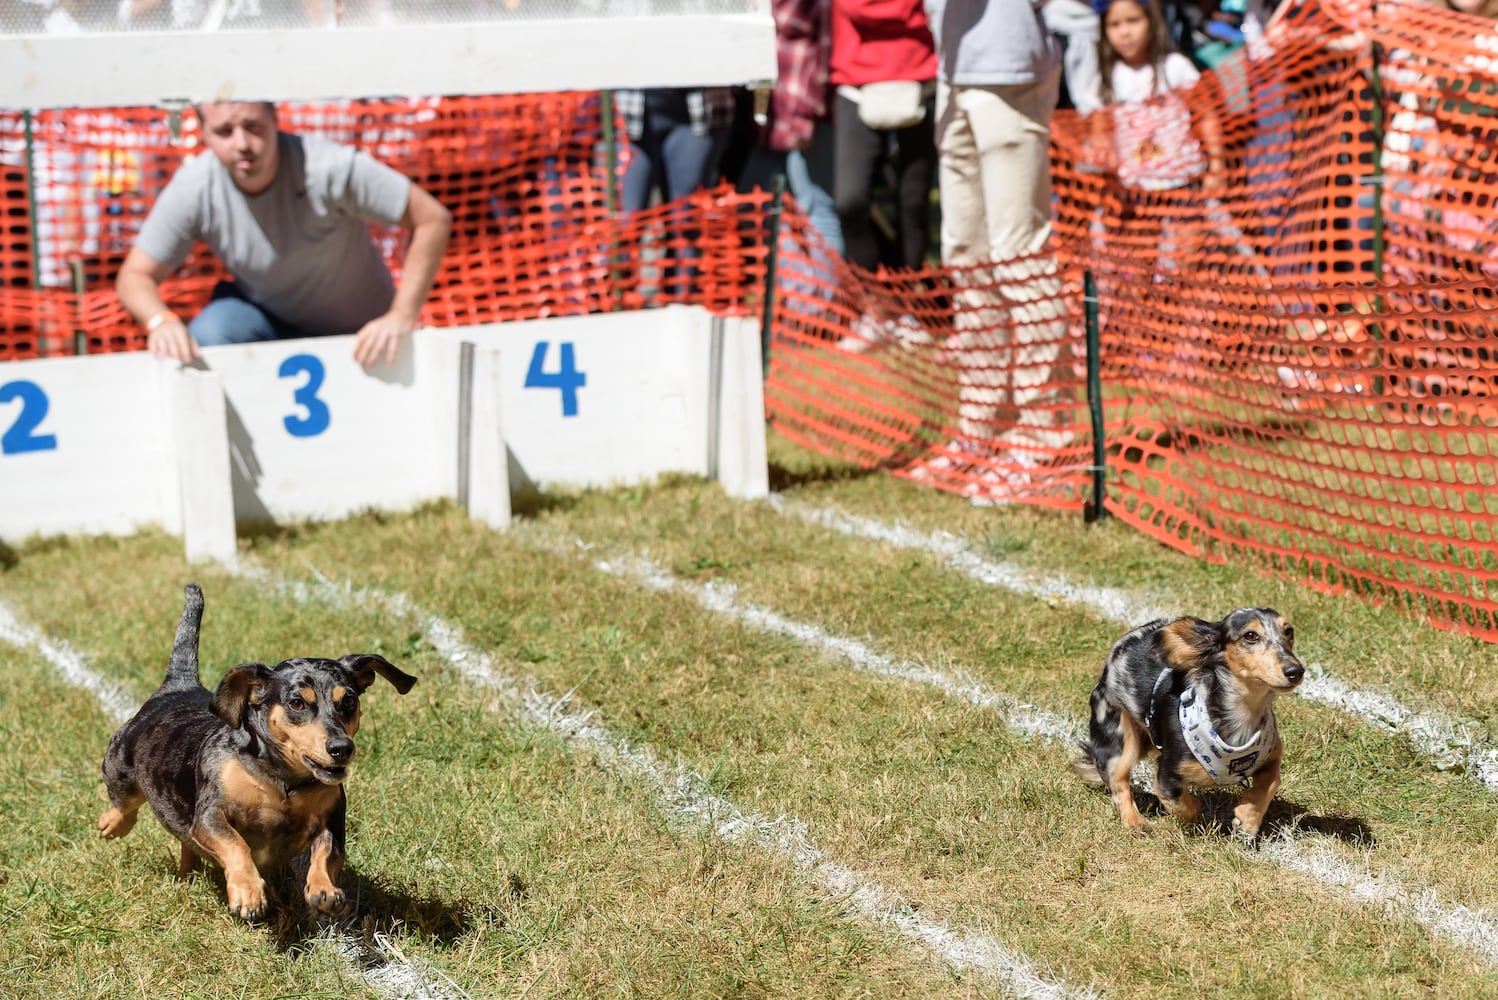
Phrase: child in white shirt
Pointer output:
(1148, 135)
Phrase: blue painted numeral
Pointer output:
(566, 378)
(317, 418)
(22, 435)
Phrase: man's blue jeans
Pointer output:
(230, 318)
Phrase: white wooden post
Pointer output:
(488, 464)
(200, 431)
(742, 461)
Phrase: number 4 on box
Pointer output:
(566, 378)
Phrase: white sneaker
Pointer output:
(988, 490)
(998, 487)
(951, 459)
(909, 332)
(867, 333)
(864, 334)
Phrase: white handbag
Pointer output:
(892, 104)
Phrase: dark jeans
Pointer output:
(671, 157)
(668, 154)
(861, 152)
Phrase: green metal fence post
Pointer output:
(772, 256)
(80, 284)
(1376, 121)
(611, 187)
(36, 253)
(1099, 508)
(610, 152)
(1376, 88)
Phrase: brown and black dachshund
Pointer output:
(250, 775)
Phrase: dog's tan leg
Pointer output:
(322, 892)
(119, 820)
(1120, 772)
(246, 889)
(1184, 808)
(1249, 814)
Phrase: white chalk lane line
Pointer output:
(689, 799)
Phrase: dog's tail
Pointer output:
(182, 671)
(1084, 764)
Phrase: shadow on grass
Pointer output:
(783, 478)
(1291, 819)
(375, 912)
(525, 503)
(1284, 819)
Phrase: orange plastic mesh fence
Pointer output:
(970, 380)
(1298, 360)
(525, 177)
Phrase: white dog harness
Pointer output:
(1227, 764)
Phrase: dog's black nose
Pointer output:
(340, 748)
(1294, 671)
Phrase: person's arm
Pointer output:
(1209, 129)
(1181, 75)
(139, 288)
(1100, 151)
(430, 223)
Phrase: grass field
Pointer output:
(666, 744)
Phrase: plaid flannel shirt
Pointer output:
(803, 47)
(708, 108)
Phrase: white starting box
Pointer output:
(294, 430)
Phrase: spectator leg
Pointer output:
(231, 319)
(640, 177)
(689, 163)
(995, 188)
(915, 169)
(859, 151)
(810, 176)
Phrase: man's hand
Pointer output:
(170, 339)
(379, 340)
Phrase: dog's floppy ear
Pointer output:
(364, 666)
(1188, 643)
(245, 685)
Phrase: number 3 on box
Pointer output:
(317, 418)
(566, 378)
(22, 436)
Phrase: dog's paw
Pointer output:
(114, 824)
(247, 900)
(329, 902)
(1249, 835)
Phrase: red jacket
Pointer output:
(878, 40)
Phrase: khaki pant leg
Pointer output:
(996, 205)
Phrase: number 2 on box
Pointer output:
(317, 418)
(22, 436)
(566, 378)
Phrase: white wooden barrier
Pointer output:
(606, 400)
(84, 448)
(294, 430)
